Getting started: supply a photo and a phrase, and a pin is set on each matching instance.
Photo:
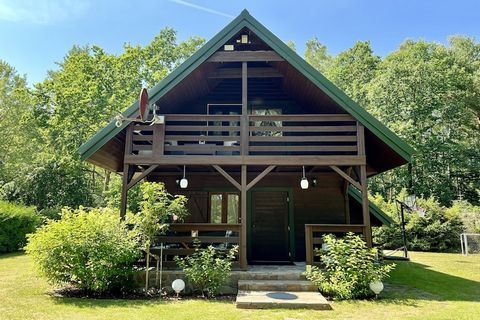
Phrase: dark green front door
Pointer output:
(269, 227)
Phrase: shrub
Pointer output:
(207, 269)
(50, 213)
(347, 268)
(16, 222)
(91, 250)
(438, 229)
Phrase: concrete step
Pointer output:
(281, 299)
(276, 285)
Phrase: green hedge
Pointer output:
(15, 222)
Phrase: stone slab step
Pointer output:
(281, 299)
(276, 285)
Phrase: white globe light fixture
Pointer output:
(304, 181)
(376, 287)
(184, 181)
(178, 285)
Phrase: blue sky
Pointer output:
(36, 34)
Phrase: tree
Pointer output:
(20, 137)
(158, 208)
(353, 69)
(87, 90)
(421, 92)
(317, 55)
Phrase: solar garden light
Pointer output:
(376, 286)
(178, 285)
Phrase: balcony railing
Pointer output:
(313, 237)
(183, 237)
(221, 135)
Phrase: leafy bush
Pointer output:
(16, 222)
(50, 213)
(347, 268)
(207, 269)
(91, 250)
(438, 229)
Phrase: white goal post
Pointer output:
(470, 243)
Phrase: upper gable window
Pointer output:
(267, 111)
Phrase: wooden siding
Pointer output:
(320, 204)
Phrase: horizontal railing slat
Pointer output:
(203, 239)
(201, 147)
(302, 117)
(201, 117)
(170, 127)
(302, 148)
(201, 138)
(302, 138)
(204, 227)
(303, 128)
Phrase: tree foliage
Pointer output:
(46, 124)
(428, 94)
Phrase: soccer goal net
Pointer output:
(470, 243)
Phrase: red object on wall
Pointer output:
(143, 104)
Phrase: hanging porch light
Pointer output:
(184, 181)
(304, 181)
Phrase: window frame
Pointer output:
(224, 211)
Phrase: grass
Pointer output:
(431, 286)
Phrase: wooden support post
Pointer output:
(244, 119)
(126, 171)
(243, 215)
(364, 186)
(158, 140)
(127, 177)
(365, 208)
(308, 245)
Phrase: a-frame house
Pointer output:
(273, 152)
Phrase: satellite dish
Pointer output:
(143, 104)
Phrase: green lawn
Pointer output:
(432, 286)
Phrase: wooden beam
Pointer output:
(260, 176)
(141, 176)
(247, 160)
(243, 215)
(126, 171)
(243, 56)
(346, 177)
(244, 120)
(227, 176)
(158, 139)
(224, 73)
(365, 207)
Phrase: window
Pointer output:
(267, 111)
(224, 207)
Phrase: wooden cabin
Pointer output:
(274, 153)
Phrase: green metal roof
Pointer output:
(246, 20)
(376, 211)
